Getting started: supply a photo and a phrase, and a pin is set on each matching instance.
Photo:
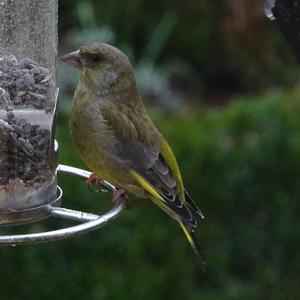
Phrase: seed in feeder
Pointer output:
(10, 60)
(27, 63)
(24, 82)
(24, 146)
(24, 150)
(5, 101)
(5, 125)
(19, 79)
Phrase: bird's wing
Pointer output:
(154, 167)
(153, 163)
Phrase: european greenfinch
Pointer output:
(117, 140)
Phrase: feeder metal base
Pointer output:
(90, 221)
(38, 213)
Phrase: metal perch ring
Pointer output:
(90, 221)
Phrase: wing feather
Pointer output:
(152, 162)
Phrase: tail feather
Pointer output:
(193, 204)
(184, 213)
(192, 240)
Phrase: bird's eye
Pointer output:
(96, 58)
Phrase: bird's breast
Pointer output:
(94, 142)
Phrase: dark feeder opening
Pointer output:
(28, 102)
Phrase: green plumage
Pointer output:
(116, 139)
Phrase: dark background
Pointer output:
(221, 83)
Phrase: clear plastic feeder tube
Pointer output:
(28, 95)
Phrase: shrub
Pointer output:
(242, 166)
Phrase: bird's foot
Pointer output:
(120, 194)
(94, 183)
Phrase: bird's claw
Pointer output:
(120, 194)
(94, 183)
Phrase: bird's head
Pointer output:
(100, 63)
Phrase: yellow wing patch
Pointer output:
(154, 195)
(147, 186)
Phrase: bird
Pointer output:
(115, 137)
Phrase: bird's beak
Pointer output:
(72, 59)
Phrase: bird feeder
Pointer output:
(28, 105)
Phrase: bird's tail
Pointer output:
(188, 232)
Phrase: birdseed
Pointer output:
(24, 144)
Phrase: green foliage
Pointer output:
(241, 164)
